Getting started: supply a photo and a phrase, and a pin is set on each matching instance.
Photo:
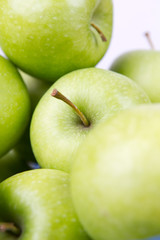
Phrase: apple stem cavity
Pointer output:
(60, 96)
(104, 39)
(10, 228)
(149, 40)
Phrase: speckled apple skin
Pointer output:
(50, 38)
(121, 161)
(14, 106)
(39, 202)
(142, 66)
(57, 132)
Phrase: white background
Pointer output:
(132, 18)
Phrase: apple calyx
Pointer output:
(104, 39)
(147, 34)
(55, 93)
(10, 228)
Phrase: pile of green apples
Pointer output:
(79, 145)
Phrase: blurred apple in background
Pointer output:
(48, 39)
(36, 89)
(11, 163)
(115, 178)
(142, 66)
(57, 131)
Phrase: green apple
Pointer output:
(121, 161)
(36, 89)
(14, 106)
(57, 131)
(36, 205)
(142, 66)
(10, 164)
(48, 39)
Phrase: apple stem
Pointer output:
(60, 96)
(149, 40)
(10, 227)
(104, 39)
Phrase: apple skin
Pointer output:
(36, 89)
(142, 66)
(57, 132)
(11, 163)
(39, 202)
(121, 161)
(48, 39)
(14, 106)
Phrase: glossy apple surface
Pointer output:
(143, 67)
(116, 177)
(38, 202)
(48, 39)
(14, 106)
(57, 131)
